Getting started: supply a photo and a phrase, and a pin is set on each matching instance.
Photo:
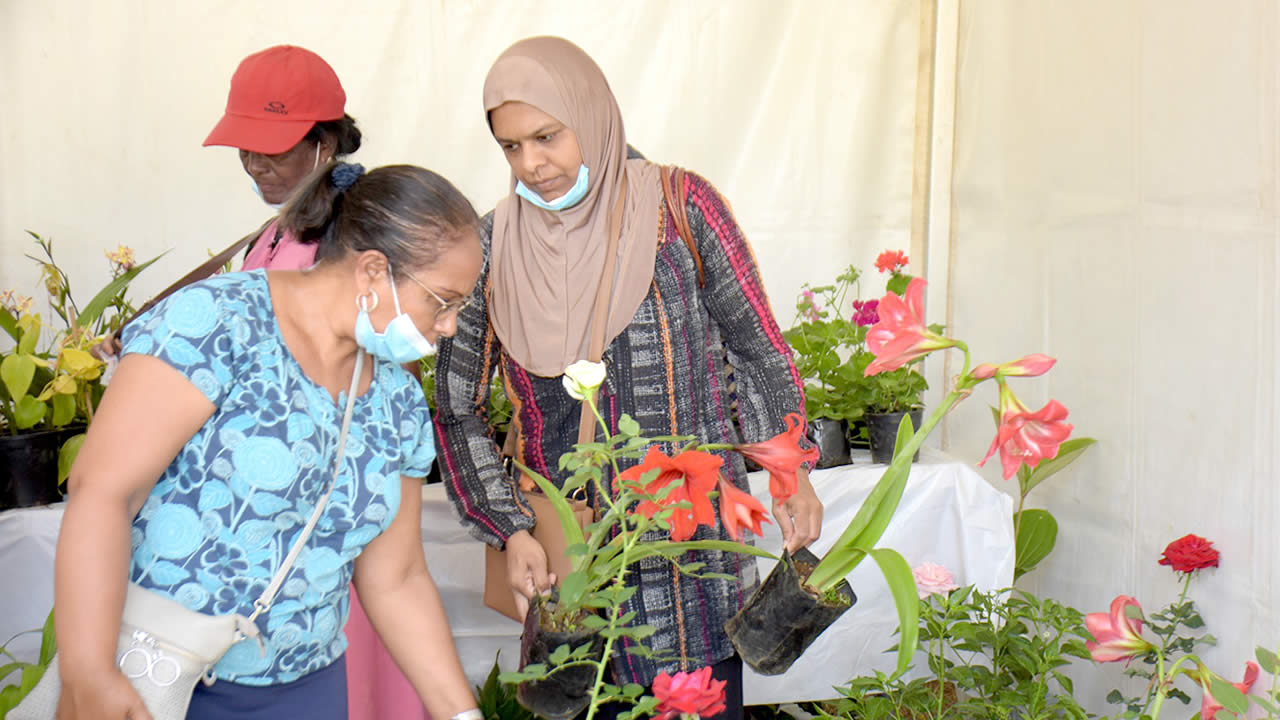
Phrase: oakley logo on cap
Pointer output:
(275, 106)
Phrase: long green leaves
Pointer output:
(902, 584)
(102, 300)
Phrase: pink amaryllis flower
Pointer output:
(740, 510)
(901, 335)
(782, 456)
(1025, 437)
(1209, 706)
(1116, 635)
(688, 694)
(1030, 366)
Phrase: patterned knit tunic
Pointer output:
(667, 371)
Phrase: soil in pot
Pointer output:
(565, 692)
(832, 439)
(29, 467)
(882, 431)
(783, 617)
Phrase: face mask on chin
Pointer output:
(401, 342)
(568, 200)
(276, 206)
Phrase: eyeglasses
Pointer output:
(446, 308)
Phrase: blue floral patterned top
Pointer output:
(226, 511)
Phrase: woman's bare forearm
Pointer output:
(91, 571)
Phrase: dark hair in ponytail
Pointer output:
(410, 214)
(345, 134)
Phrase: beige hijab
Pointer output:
(546, 267)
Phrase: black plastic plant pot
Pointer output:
(782, 618)
(832, 439)
(567, 691)
(29, 467)
(882, 431)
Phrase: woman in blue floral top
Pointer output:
(217, 438)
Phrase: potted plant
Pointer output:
(831, 353)
(49, 381)
(652, 508)
(899, 337)
(822, 340)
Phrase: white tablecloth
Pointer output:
(949, 515)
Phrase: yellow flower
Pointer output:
(122, 258)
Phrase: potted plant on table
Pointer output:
(832, 353)
(49, 381)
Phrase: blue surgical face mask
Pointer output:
(401, 342)
(568, 200)
(258, 191)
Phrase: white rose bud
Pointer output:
(583, 377)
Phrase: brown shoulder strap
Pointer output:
(673, 192)
(206, 269)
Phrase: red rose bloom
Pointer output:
(688, 693)
(1190, 553)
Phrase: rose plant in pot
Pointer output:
(650, 509)
(1023, 438)
(49, 381)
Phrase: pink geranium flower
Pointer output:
(901, 336)
(864, 313)
(1116, 635)
(1025, 437)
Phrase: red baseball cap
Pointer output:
(276, 96)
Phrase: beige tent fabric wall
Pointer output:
(1115, 205)
(801, 113)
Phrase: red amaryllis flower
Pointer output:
(695, 693)
(1190, 553)
(1026, 437)
(781, 456)
(739, 510)
(1209, 706)
(891, 260)
(901, 335)
(1029, 366)
(1116, 636)
(698, 470)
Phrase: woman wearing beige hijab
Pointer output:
(673, 314)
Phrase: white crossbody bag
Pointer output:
(164, 648)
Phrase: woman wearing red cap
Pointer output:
(286, 113)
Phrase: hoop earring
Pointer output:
(363, 300)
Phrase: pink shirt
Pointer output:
(287, 254)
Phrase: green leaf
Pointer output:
(48, 640)
(632, 690)
(628, 426)
(898, 283)
(568, 521)
(17, 371)
(872, 518)
(1227, 694)
(1267, 660)
(559, 655)
(102, 300)
(1037, 534)
(27, 412)
(9, 323)
(27, 344)
(1068, 452)
(593, 622)
(902, 585)
(64, 409)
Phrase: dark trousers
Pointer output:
(321, 695)
(729, 670)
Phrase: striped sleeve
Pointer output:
(769, 386)
(470, 463)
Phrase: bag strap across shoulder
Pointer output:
(206, 269)
(674, 193)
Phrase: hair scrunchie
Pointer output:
(344, 175)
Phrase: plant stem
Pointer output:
(619, 583)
